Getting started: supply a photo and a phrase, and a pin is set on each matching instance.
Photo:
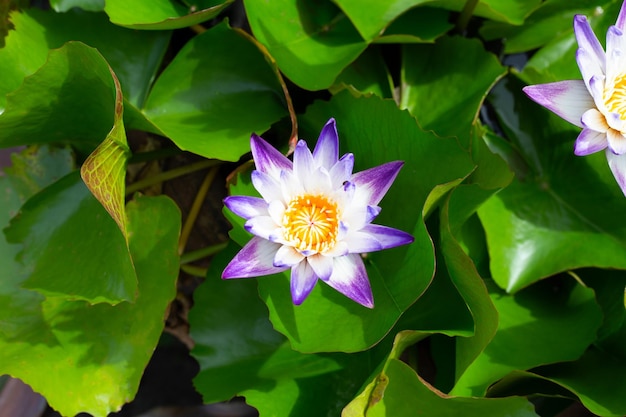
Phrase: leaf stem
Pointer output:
(466, 15)
(194, 270)
(192, 256)
(195, 209)
(169, 175)
(154, 155)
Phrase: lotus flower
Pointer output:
(315, 218)
(597, 103)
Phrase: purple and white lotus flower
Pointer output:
(315, 218)
(597, 103)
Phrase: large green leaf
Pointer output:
(99, 350)
(215, 92)
(510, 11)
(134, 56)
(376, 131)
(162, 14)
(240, 353)
(87, 5)
(418, 25)
(71, 246)
(549, 221)
(368, 74)
(552, 321)
(311, 42)
(442, 94)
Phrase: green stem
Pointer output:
(192, 256)
(466, 15)
(195, 209)
(169, 175)
(194, 270)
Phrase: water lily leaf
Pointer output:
(431, 72)
(87, 5)
(134, 56)
(552, 321)
(510, 11)
(33, 169)
(71, 246)
(376, 131)
(161, 14)
(101, 350)
(399, 391)
(104, 171)
(418, 25)
(550, 21)
(368, 74)
(215, 92)
(241, 354)
(548, 222)
(311, 42)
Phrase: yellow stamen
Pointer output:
(311, 223)
(615, 96)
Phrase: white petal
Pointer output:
(246, 207)
(388, 236)
(589, 66)
(267, 159)
(372, 184)
(590, 141)
(276, 211)
(342, 170)
(290, 185)
(568, 99)
(621, 18)
(616, 54)
(595, 120)
(340, 249)
(303, 163)
(359, 242)
(322, 266)
(268, 187)
(263, 226)
(303, 280)
(617, 163)
(326, 150)
(587, 40)
(349, 277)
(617, 142)
(287, 256)
(255, 259)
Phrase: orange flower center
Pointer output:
(615, 96)
(311, 223)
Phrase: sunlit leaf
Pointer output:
(215, 93)
(100, 350)
(104, 171)
(311, 42)
(161, 14)
(418, 25)
(432, 76)
(87, 5)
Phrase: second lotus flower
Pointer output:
(315, 218)
(597, 103)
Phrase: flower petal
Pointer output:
(322, 265)
(326, 149)
(617, 163)
(303, 281)
(349, 277)
(268, 159)
(287, 256)
(276, 211)
(303, 163)
(595, 120)
(621, 18)
(256, 258)
(372, 184)
(359, 242)
(388, 236)
(246, 207)
(568, 99)
(589, 141)
(263, 226)
(616, 53)
(617, 142)
(269, 188)
(588, 41)
(589, 66)
(342, 170)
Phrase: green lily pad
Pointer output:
(100, 350)
(511, 11)
(87, 5)
(418, 25)
(162, 14)
(71, 247)
(311, 42)
(215, 93)
(432, 74)
(368, 74)
(549, 222)
(552, 321)
(134, 56)
(104, 171)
